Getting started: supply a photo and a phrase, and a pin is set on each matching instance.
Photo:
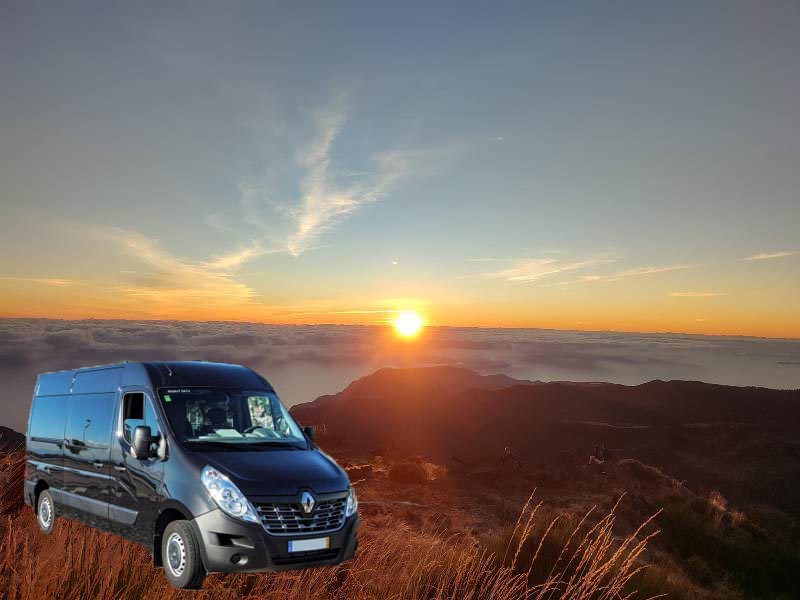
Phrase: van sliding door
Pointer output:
(86, 454)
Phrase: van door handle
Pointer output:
(119, 468)
(97, 464)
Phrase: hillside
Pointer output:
(443, 517)
(10, 440)
(743, 441)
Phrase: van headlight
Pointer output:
(227, 495)
(352, 503)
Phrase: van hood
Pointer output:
(280, 472)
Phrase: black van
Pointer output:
(199, 462)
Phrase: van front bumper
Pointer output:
(229, 545)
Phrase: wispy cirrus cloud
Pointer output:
(350, 312)
(234, 260)
(694, 294)
(634, 272)
(533, 269)
(769, 255)
(172, 283)
(324, 201)
(329, 195)
(297, 203)
(41, 281)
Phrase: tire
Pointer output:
(46, 512)
(180, 554)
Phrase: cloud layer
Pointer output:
(306, 361)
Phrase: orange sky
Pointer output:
(595, 308)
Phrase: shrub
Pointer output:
(642, 471)
(408, 472)
(699, 570)
(761, 566)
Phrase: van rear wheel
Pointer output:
(46, 512)
(180, 554)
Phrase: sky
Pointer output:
(582, 166)
(303, 362)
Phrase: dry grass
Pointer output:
(12, 473)
(394, 561)
(566, 557)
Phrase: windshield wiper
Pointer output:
(280, 445)
(219, 444)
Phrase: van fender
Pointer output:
(168, 511)
(38, 478)
(172, 503)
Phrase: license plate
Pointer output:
(306, 545)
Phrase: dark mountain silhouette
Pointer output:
(10, 440)
(743, 441)
(418, 382)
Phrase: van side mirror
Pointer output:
(309, 431)
(142, 438)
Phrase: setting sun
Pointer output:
(408, 324)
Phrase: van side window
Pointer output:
(137, 411)
(132, 414)
(89, 421)
(150, 417)
(260, 412)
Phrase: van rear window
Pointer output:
(47, 417)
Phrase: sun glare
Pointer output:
(408, 324)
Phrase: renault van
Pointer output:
(199, 462)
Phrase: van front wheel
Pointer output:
(180, 554)
(46, 512)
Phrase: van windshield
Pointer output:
(214, 416)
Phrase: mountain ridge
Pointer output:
(742, 440)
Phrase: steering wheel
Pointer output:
(265, 432)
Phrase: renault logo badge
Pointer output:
(307, 502)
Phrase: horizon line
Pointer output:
(427, 326)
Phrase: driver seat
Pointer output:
(218, 418)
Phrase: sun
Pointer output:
(408, 324)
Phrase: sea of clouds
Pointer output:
(306, 361)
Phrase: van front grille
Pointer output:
(288, 518)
